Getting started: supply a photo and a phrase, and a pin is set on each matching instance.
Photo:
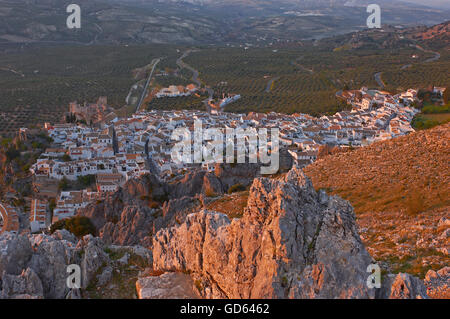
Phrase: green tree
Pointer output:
(66, 158)
(79, 226)
(63, 185)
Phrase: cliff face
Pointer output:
(142, 207)
(292, 242)
(35, 266)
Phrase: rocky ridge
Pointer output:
(292, 242)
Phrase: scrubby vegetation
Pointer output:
(406, 174)
(231, 205)
(399, 191)
(427, 121)
(16, 157)
(79, 226)
(236, 188)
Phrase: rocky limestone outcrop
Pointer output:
(50, 259)
(438, 283)
(134, 227)
(35, 266)
(402, 286)
(25, 286)
(15, 253)
(94, 257)
(292, 242)
(166, 286)
(143, 206)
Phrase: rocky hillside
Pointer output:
(17, 154)
(142, 207)
(437, 36)
(291, 242)
(35, 267)
(399, 189)
(409, 174)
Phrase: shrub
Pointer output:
(66, 158)
(236, 188)
(87, 180)
(79, 226)
(63, 185)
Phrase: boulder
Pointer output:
(166, 286)
(15, 253)
(438, 283)
(24, 286)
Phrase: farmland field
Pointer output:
(37, 84)
(307, 78)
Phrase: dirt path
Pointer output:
(147, 84)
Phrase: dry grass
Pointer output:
(409, 174)
(399, 189)
(231, 205)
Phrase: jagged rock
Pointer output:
(438, 283)
(15, 252)
(27, 285)
(50, 260)
(134, 227)
(166, 286)
(402, 286)
(93, 259)
(44, 273)
(105, 276)
(287, 245)
(63, 234)
(131, 194)
(124, 218)
(175, 211)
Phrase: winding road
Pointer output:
(436, 57)
(379, 80)
(195, 77)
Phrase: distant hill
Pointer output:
(437, 36)
(196, 22)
